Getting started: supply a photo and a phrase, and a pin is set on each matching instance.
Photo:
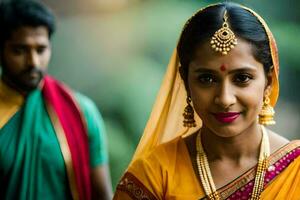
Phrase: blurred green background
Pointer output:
(116, 52)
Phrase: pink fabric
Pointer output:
(60, 98)
(272, 172)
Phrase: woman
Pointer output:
(226, 68)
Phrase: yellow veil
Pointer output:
(165, 122)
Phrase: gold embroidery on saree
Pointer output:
(134, 188)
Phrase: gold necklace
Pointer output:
(206, 177)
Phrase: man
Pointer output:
(52, 141)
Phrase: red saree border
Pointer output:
(134, 188)
(286, 155)
(70, 117)
(64, 147)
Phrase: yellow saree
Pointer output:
(167, 173)
(162, 167)
(10, 103)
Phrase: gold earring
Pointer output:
(188, 114)
(224, 39)
(266, 115)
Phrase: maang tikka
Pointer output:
(224, 39)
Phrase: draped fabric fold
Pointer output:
(70, 125)
(44, 144)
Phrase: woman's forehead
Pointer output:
(241, 55)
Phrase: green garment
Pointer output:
(31, 162)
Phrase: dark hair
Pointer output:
(15, 14)
(204, 24)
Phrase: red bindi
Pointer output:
(223, 68)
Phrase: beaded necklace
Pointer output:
(206, 177)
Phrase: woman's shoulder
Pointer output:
(278, 142)
(152, 170)
(282, 148)
(164, 155)
(169, 147)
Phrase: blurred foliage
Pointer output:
(118, 59)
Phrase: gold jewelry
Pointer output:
(188, 114)
(224, 39)
(266, 115)
(206, 177)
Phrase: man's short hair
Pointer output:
(15, 14)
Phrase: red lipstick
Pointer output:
(226, 117)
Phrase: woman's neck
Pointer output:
(245, 145)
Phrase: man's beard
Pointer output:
(24, 80)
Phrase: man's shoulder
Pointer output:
(81, 98)
(77, 96)
(85, 104)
